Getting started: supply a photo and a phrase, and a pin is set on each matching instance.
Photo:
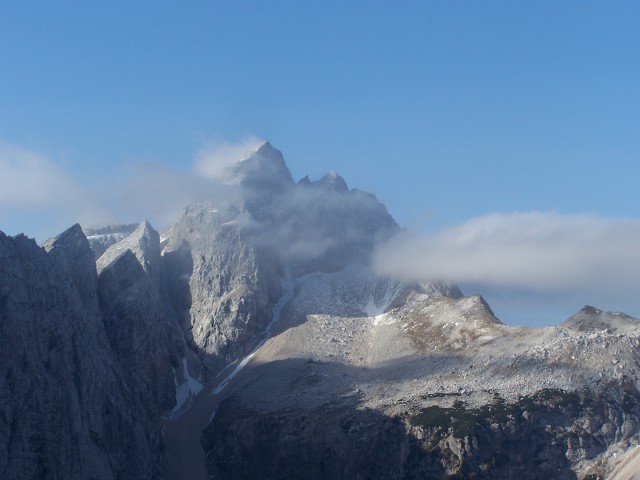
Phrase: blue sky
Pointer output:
(447, 111)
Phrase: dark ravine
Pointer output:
(113, 340)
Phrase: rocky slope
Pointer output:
(434, 387)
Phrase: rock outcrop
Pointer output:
(102, 238)
(539, 436)
(69, 404)
(224, 284)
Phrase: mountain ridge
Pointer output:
(256, 329)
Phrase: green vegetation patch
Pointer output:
(463, 421)
(434, 417)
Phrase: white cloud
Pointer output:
(40, 198)
(215, 160)
(541, 252)
(158, 193)
(32, 181)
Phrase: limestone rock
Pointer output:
(66, 408)
(102, 238)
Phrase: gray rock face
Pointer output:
(224, 284)
(141, 332)
(102, 238)
(144, 243)
(69, 407)
(225, 262)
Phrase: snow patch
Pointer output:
(383, 319)
(186, 390)
(372, 309)
(377, 304)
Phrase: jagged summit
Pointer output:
(72, 235)
(263, 169)
(589, 310)
(102, 238)
(304, 181)
(144, 243)
(72, 252)
(332, 181)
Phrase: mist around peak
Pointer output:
(311, 225)
(218, 158)
(327, 228)
(41, 197)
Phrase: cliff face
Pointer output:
(540, 436)
(70, 407)
(548, 434)
(223, 285)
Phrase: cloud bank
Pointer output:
(40, 198)
(538, 252)
(158, 193)
(31, 181)
(322, 227)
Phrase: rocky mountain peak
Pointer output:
(304, 181)
(72, 252)
(591, 319)
(304, 356)
(70, 238)
(144, 243)
(589, 310)
(333, 182)
(263, 169)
